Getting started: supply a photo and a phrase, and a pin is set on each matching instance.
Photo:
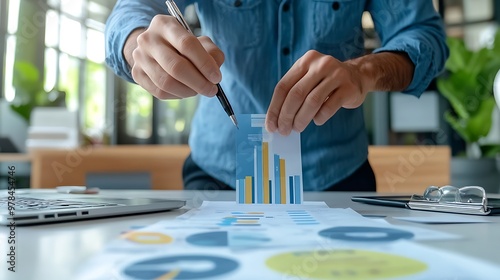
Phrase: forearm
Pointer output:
(385, 71)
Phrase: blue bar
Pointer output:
(241, 190)
(277, 181)
(292, 201)
(270, 192)
(260, 188)
(298, 197)
(253, 189)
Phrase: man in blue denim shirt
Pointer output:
(301, 62)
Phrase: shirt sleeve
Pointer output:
(413, 27)
(128, 15)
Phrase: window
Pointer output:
(472, 20)
(74, 58)
(148, 120)
(11, 7)
(64, 39)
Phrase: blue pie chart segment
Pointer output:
(225, 239)
(209, 239)
(366, 234)
(180, 267)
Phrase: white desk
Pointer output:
(55, 251)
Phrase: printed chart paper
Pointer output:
(336, 244)
(268, 165)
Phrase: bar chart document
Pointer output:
(268, 165)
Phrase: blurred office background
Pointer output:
(62, 41)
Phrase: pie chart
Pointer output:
(366, 234)
(179, 267)
(344, 264)
(225, 239)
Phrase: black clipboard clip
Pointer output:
(463, 200)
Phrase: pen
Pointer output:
(174, 11)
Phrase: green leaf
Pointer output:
(26, 78)
(478, 60)
(459, 55)
(496, 43)
(23, 110)
(459, 89)
(458, 125)
(479, 125)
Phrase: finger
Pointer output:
(280, 92)
(313, 103)
(190, 47)
(294, 100)
(212, 49)
(182, 70)
(154, 79)
(330, 107)
(142, 79)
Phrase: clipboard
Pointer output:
(465, 200)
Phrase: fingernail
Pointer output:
(215, 77)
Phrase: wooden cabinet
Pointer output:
(161, 163)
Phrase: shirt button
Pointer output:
(336, 5)
(237, 3)
(286, 7)
(286, 51)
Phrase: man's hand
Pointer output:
(315, 88)
(318, 85)
(170, 62)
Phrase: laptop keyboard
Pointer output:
(28, 203)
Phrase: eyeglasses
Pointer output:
(466, 200)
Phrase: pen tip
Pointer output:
(235, 122)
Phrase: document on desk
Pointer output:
(268, 165)
(218, 241)
(310, 217)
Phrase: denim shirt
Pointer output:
(261, 39)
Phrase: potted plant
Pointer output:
(30, 92)
(468, 86)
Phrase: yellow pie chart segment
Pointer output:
(344, 264)
(142, 237)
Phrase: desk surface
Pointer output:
(15, 157)
(55, 251)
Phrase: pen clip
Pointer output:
(175, 12)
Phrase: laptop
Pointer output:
(40, 208)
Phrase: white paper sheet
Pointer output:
(336, 243)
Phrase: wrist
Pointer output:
(365, 72)
(385, 71)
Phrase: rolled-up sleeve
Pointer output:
(128, 15)
(413, 27)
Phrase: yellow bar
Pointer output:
(248, 190)
(246, 222)
(265, 171)
(283, 181)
